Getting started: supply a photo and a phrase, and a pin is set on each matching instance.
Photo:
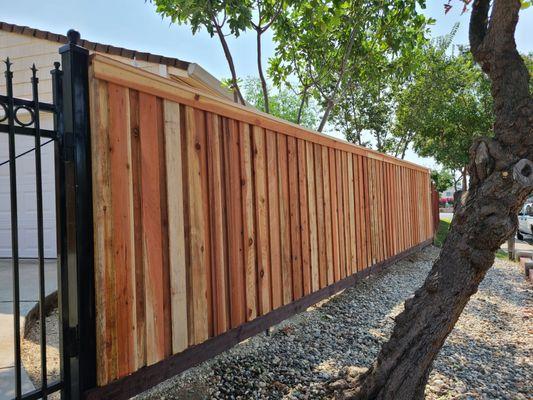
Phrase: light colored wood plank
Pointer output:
(285, 226)
(334, 214)
(247, 189)
(261, 215)
(176, 233)
(328, 235)
(342, 219)
(321, 226)
(357, 213)
(347, 213)
(294, 208)
(274, 215)
(304, 217)
(313, 230)
(351, 200)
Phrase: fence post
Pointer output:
(78, 311)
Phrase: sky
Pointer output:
(134, 24)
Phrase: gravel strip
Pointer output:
(489, 354)
(31, 351)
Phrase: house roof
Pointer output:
(94, 46)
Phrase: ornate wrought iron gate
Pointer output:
(70, 138)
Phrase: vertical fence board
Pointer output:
(341, 218)
(103, 231)
(261, 209)
(235, 239)
(351, 209)
(123, 239)
(334, 215)
(304, 217)
(321, 232)
(176, 234)
(248, 222)
(294, 208)
(328, 238)
(348, 223)
(140, 307)
(284, 220)
(274, 216)
(152, 239)
(311, 196)
(219, 242)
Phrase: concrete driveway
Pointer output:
(29, 295)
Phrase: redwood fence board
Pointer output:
(213, 220)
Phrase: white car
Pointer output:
(525, 221)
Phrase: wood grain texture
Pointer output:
(304, 217)
(334, 215)
(234, 209)
(206, 218)
(123, 239)
(262, 220)
(320, 220)
(313, 229)
(342, 220)
(195, 144)
(294, 211)
(249, 252)
(152, 240)
(140, 306)
(274, 217)
(284, 219)
(328, 238)
(103, 233)
(218, 237)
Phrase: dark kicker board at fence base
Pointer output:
(150, 376)
(70, 138)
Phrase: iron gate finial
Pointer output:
(73, 36)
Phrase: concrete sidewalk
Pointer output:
(29, 295)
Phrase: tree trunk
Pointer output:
(511, 247)
(464, 176)
(229, 58)
(325, 117)
(501, 178)
(260, 69)
(302, 105)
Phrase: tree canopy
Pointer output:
(283, 103)
(446, 106)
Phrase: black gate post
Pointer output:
(76, 243)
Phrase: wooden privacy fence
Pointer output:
(208, 215)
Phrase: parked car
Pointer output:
(525, 221)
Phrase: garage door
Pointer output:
(26, 195)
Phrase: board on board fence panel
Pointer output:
(209, 215)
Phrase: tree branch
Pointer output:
(478, 24)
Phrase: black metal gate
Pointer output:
(71, 141)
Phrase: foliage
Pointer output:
(445, 107)
(283, 103)
(442, 232)
(225, 18)
(442, 179)
(332, 47)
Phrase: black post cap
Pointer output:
(73, 36)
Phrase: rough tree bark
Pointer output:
(501, 171)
